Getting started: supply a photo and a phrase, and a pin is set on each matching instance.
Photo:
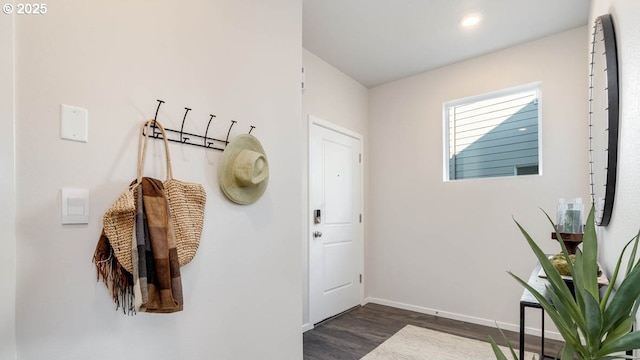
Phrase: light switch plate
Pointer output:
(74, 123)
(75, 206)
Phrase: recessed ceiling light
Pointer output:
(470, 20)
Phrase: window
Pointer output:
(495, 134)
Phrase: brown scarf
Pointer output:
(164, 285)
(158, 271)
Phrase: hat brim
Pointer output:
(228, 183)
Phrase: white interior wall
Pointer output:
(444, 247)
(625, 220)
(7, 193)
(237, 60)
(334, 97)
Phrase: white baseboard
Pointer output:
(307, 327)
(460, 317)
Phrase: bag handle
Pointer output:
(142, 147)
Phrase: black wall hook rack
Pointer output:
(186, 138)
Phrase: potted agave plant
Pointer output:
(594, 324)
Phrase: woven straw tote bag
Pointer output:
(118, 224)
(186, 208)
(186, 200)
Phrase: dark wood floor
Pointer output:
(352, 335)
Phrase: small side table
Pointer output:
(528, 300)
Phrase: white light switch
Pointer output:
(74, 123)
(75, 206)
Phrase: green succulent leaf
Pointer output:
(634, 251)
(627, 342)
(592, 326)
(623, 301)
(552, 273)
(496, 350)
(622, 329)
(630, 268)
(567, 330)
(504, 337)
(593, 318)
(567, 353)
(590, 256)
(561, 309)
(578, 281)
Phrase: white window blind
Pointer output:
(494, 134)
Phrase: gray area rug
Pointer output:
(416, 343)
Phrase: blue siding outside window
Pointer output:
(494, 134)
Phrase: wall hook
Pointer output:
(182, 137)
(184, 140)
(156, 133)
(208, 144)
(226, 142)
(160, 102)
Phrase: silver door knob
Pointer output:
(317, 234)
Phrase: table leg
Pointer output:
(542, 337)
(521, 331)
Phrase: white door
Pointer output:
(336, 232)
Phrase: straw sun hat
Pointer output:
(243, 171)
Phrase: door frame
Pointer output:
(314, 120)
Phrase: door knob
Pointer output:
(317, 234)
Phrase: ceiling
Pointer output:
(378, 41)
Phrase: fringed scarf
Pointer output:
(156, 285)
(118, 280)
(158, 266)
